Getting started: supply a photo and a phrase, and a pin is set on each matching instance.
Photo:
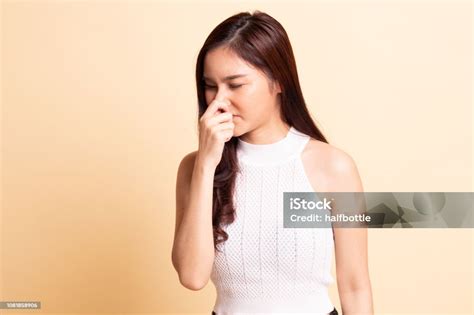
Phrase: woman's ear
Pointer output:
(277, 87)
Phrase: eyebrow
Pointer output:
(229, 77)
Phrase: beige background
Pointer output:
(99, 107)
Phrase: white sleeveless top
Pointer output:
(263, 267)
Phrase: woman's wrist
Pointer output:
(204, 166)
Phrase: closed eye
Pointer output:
(232, 86)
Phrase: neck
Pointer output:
(273, 150)
(266, 134)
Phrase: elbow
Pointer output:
(354, 284)
(193, 278)
(188, 279)
(192, 282)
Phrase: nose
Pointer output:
(222, 95)
(224, 99)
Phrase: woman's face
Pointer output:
(252, 99)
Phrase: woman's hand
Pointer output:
(216, 127)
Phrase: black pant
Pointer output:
(333, 312)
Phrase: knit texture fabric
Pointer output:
(263, 267)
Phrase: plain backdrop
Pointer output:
(99, 107)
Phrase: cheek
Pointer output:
(259, 100)
(209, 96)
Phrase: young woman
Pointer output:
(256, 141)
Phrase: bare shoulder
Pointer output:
(183, 183)
(327, 157)
(328, 166)
(187, 162)
(184, 175)
(183, 178)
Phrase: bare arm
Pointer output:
(353, 280)
(193, 247)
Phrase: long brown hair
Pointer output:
(263, 42)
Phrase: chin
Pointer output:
(238, 132)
